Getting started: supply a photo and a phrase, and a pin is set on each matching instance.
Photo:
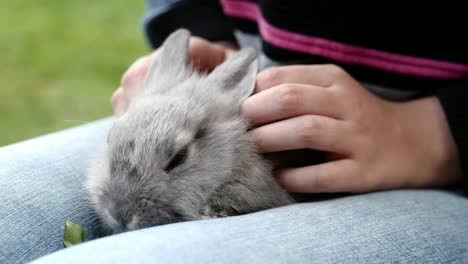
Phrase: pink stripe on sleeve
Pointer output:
(345, 53)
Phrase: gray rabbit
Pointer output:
(181, 152)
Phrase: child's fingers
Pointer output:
(205, 55)
(308, 131)
(119, 102)
(335, 176)
(290, 100)
(318, 75)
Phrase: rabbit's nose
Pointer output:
(123, 221)
(113, 220)
(133, 223)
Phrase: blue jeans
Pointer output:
(40, 186)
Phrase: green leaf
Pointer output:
(74, 234)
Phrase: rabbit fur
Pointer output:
(182, 152)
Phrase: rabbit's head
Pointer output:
(180, 144)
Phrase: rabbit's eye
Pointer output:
(178, 159)
(201, 133)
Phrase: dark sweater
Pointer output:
(425, 52)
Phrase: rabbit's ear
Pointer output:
(171, 62)
(236, 76)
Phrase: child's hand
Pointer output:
(204, 56)
(373, 144)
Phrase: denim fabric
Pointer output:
(386, 227)
(40, 188)
(40, 184)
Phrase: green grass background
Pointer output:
(60, 61)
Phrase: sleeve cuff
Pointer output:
(203, 18)
(454, 101)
